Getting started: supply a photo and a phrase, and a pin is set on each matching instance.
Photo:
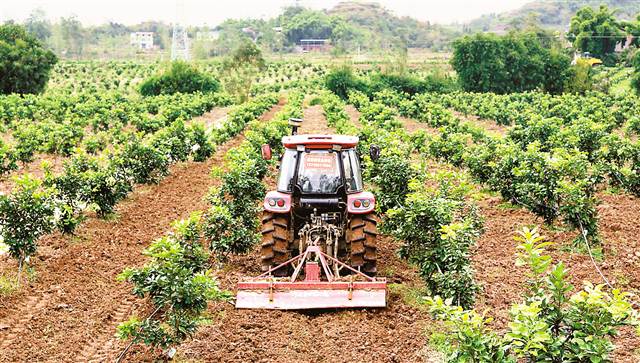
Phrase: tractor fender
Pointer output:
(273, 200)
(362, 198)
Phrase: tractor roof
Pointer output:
(320, 141)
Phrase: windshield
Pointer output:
(319, 171)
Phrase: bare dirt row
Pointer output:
(70, 312)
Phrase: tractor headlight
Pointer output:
(366, 203)
(272, 202)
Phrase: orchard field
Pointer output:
(98, 179)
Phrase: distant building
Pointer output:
(142, 40)
(208, 36)
(625, 44)
(314, 45)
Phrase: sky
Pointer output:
(213, 12)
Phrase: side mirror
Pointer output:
(266, 152)
(374, 152)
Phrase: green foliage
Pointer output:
(179, 77)
(512, 63)
(469, 338)
(240, 68)
(437, 228)
(549, 325)
(178, 284)
(580, 80)
(635, 80)
(25, 216)
(341, 80)
(24, 63)
(7, 159)
(595, 31)
(391, 174)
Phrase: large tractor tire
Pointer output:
(276, 240)
(361, 237)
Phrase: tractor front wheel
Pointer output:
(275, 242)
(361, 237)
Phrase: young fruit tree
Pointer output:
(26, 215)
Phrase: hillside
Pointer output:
(550, 14)
(383, 27)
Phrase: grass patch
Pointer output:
(411, 296)
(8, 285)
(508, 206)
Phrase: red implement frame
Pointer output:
(268, 292)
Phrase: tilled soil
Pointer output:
(394, 334)
(492, 127)
(504, 284)
(70, 312)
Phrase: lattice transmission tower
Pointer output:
(180, 39)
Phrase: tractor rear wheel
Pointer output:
(361, 237)
(276, 240)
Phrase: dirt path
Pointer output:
(354, 115)
(70, 312)
(412, 125)
(209, 119)
(394, 334)
(489, 125)
(315, 122)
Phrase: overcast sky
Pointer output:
(213, 12)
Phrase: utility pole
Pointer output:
(180, 39)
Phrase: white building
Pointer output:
(208, 35)
(142, 40)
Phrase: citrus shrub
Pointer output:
(177, 282)
(24, 62)
(179, 77)
(437, 228)
(551, 324)
(25, 216)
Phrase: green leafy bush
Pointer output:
(25, 216)
(178, 284)
(341, 80)
(550, 325)
(437, 228)
(24, 63)
(179, 77)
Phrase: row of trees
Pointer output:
(516, 62)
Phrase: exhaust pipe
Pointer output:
(295, 123)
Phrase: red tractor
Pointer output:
(321, 219)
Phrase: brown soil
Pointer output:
(34, 168)
(354, 115)
(504, 283)
(212, 117)
(412, 126)
(70, 312)
(314, 121)
(489, 125)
